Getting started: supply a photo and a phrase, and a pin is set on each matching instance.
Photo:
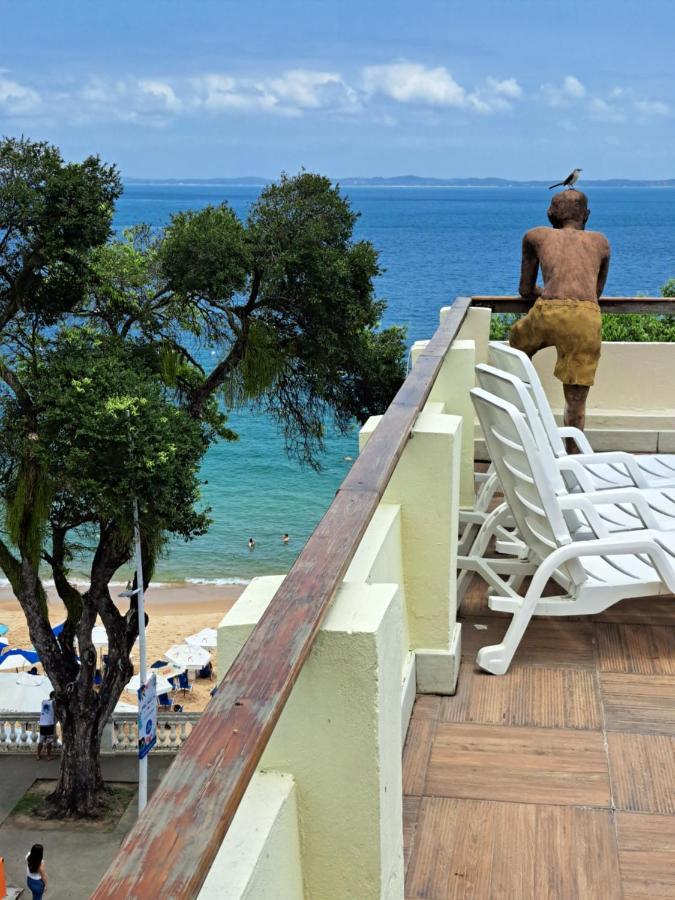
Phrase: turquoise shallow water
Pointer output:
(435, 244)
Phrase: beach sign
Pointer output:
(147, 716)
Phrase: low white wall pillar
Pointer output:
(260, 857)
(476, 328)
(339, 737)
(451, 388)
(425, 485)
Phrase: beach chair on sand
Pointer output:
(165, 700)
(594, 571)
(184, 683)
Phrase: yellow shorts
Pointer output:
(573, 327)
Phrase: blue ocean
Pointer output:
(435, 244)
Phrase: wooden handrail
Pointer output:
(171, 848)
(653, 305)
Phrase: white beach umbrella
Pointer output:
(99, 636)
(207, 637)
(123, 707)
(23, 693)
(163, 685)
(170, 670)
(13, 660)
(190, 657)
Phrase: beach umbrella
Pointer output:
(169, 670)
(17, 659)
(123, 707)
(207, 637)
(163, 686)
(23, 693)
(190, 657)
(99, 636)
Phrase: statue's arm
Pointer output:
(604, 268)
(528, 270)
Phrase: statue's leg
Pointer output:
(575, 410)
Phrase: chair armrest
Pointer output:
(649, 543)
(577, 435)
(628, 496)
(578, 471)
(615, 458)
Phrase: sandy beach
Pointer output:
(175, 611)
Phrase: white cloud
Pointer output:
(564, 93)
(602, 111)
(653, 108)
(573, 87)
(289, 94)
(17, 99)
(307, 89)
(509, 87)
(221, 92)
(148, 101)
(624, 104)
(411, 82)
(162, 92)
(495, 96)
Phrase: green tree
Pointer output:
(102, 399)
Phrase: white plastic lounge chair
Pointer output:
(575, 472)
(594, 572)
(652, 470)
(606, 471)
(620, 509)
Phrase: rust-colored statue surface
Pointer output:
(565, 314)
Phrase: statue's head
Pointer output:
(569, 208)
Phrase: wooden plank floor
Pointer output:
(557, 780)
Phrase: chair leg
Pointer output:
(480, 545)
(497, 657)
(484, 497)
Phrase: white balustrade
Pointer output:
(20, 735)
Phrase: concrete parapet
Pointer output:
(425, 485)
(339, 737)
(451, 388)
(260, 859)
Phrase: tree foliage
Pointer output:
(102, 398)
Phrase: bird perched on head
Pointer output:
(569, 182)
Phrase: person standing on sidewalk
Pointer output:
(36, 877)
(47, 726)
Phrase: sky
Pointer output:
(200, 89)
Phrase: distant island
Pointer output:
(408, 181)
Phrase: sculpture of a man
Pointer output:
(566, 313)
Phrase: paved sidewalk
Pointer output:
(75, 860)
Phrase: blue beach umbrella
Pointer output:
(17, 658)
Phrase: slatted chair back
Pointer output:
(524, 479)
(517, 363)
(510, 388)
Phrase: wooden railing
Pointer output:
(172, 846)
(653, 305)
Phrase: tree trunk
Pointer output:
(80, 788)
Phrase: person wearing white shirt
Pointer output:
(47, 726)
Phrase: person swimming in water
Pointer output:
(285, 538)
(251, 543)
